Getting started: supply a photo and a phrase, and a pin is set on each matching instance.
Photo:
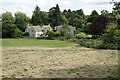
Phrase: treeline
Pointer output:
(13, 27)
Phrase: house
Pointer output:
(37, 31)
(73, 29)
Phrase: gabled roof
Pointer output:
(39, 28)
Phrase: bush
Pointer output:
(95, 37)
(17, 33)
(51, 34)
(64, 29)
(25, 34)
(78, 31)
(57, 34)
(69, 35)
(111, 39)
(81, 35)
(89, 36)
(62, 38)
(91, 43)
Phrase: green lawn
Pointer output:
(36, 43)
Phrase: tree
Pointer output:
(98, 25)
(44, 16)
(116, 8)
(58, 15)
(105, 12)
(80, 13)
(9, 29)
(111, 37)
(21, 20)
(64, 20)
(78, 23)
(36, 17)
(86, 27)
(7, 17)
(55, 16)
(93, 15)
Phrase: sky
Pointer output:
(28, 6)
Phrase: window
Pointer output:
(32, 30)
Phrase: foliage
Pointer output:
(93, 15)
(7, 17)
(50, 34)
(69, 15)
(116, 8)
(104, 12)
(98, 25)
(9, 29)
(64, 20)
(86, 27)
(25, 34)
(78, 31)
(107, 14)
(39, 17)
(89, 36)
(21, 20)
(111, 39)
(81, 35)
(69, 35)
(55, 16)
(17, 33)
(57, 34)
(75, 18)
(90, 43)
(78, 23)
(64, 29)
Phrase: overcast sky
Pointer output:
(27, 6)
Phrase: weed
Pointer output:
(72, 71)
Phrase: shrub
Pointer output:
(50, 34)
(25, 34)
(111, 39)
(17, 33)
(81, 35)
(64, 29)
(57, 34)
(62, 38)
(69, 35)
(95, 36)
(89, 36)
(91, 43)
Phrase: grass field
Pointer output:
(34, 58)
(35, 43)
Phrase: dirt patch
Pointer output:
(69, 62)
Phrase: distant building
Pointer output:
(36, 31)
(57, 28)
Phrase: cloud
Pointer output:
(27, 6)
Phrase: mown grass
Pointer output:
(36, 43)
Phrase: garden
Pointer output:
(91, 51)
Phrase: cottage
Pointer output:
(36, 31)
(73, 29)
